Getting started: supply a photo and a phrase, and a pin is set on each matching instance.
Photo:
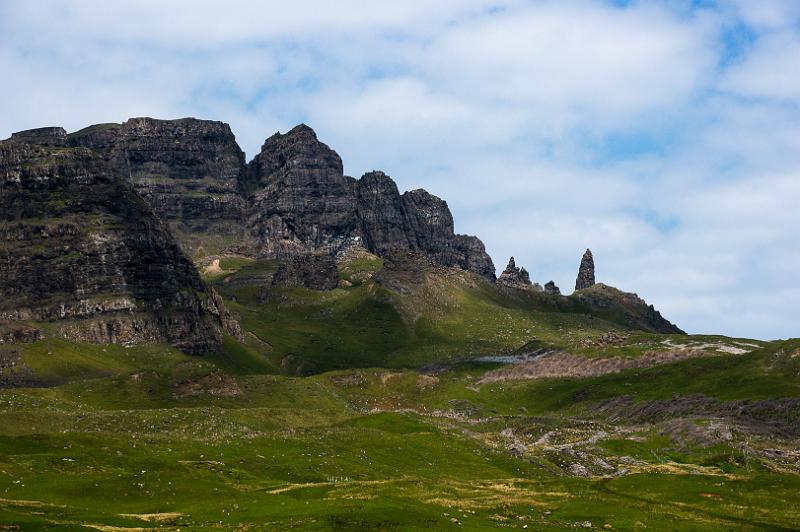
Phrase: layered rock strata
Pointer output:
(303, 202)
(188, 170)
(83, 254)
(291, 199)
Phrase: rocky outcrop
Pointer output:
(406, 271)
(316, 271)
(291, 199)
(636, 313)
(188, 170)
(514, 277)
(585, 272)
(303, 202)
(83, 254)
(383, 215)
(430, 229)
(551, 288)
(44, 136)
(18, 333)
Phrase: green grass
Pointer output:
(225, 468)
(447, 319)
(310, 332)
(356, 449)
(319, 420)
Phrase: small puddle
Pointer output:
(514, 359)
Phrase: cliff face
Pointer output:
(82, 255)
(188, 170)
(383, 215)
(291, 199)
(303, 202)
(431, 229)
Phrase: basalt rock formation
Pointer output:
(430, 229)
(514, 277)
(84, 257)
(316, 271)
(382, 214)
(44, 136)
(90, 224)
(291, 199)
(303, 202)
(585, 272)
(551, 288)
(188, 170)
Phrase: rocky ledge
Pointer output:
(637, 314)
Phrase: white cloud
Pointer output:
(770, 70)
(767, 14)
(576, 57)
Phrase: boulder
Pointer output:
(316, 271)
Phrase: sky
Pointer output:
(664, 135)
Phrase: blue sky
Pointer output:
(665, 135)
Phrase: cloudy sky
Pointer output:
(665, 135)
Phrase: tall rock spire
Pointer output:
(585, 272)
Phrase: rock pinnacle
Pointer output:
(585, 272)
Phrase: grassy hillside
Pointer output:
(401, 318)
(374, 407)
(207, 449)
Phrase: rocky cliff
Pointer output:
(291, 199)
(84, 257)
(188, 170)
(303, 202)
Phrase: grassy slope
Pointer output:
(442, 318)
(348, 449)
(225, 441)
